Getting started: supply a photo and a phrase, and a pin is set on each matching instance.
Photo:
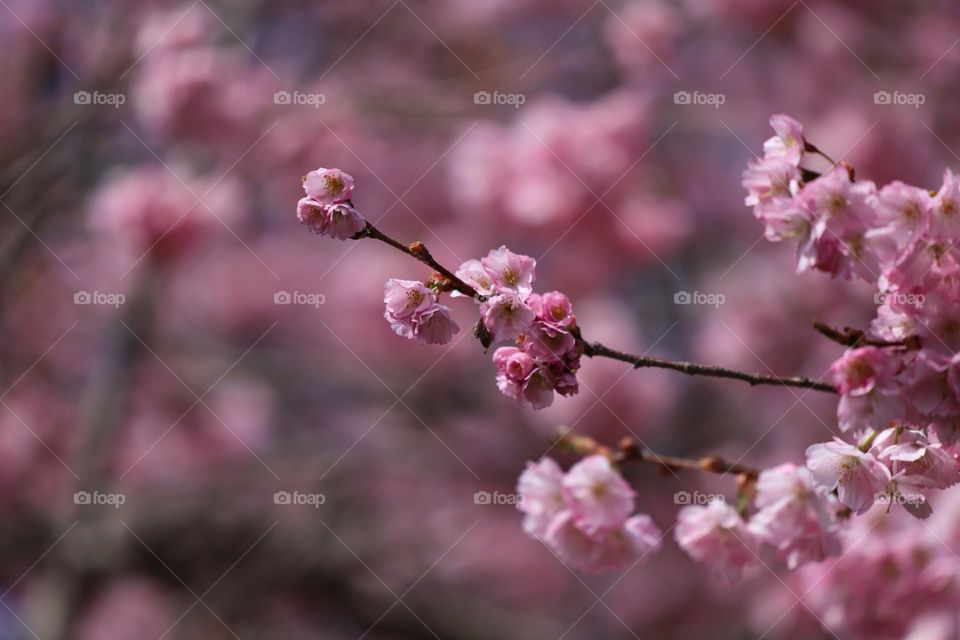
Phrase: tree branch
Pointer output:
(448, 281)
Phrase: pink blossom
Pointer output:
(598, 495)
(509, 271)
(906, 208)
(617, 549)
(405, 298)
(859, 371)
(413, 312)
(541, 495)
(553, 307)
(340, 221)
(794, 516)
(506, 316)
(788, 143)
(521, 378)
(434, 325)
(473, 273)
(717, 536)
(857, 476)
(945, 209)
(916, 461)
(345, 222)
(548, 341)
(328, 186)
(770, 178)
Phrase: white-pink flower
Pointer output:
(858, 477)
(473, 273)
(520, 377)
(788, 143)
(509, 271)
(794, 516)
(414, 313)
(506, 316)
(617, 549)
(598, 495)
(328, 186)
(541, 495)
(434, 325)
(340, 221)
(717, 536)
(915, 461)
(553, 307)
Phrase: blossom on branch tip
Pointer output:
(328, 186)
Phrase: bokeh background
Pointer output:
(149, 173)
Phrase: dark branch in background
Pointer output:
(447, 281)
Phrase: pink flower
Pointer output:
(770, 178)
(473, 273)
(413, 312)
(915, 461)
(716, 536)
(328, 186)
(522, 378)
(858, 371)
(598, 495)
(945, 209)
(548, 341)
(541, 495)
(510, 272)
(552, 307)
(794, 516)
(345, 222)
(506, 316)
(905, 207)
(788, 143)
(405, 298)
(434, 325)
(617, 549)
(857, 476)
(340, 221)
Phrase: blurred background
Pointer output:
(207, 429)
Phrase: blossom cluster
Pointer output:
(900, 393)
(326, 209)
(790, 514)
(547, 354)
(584, 515)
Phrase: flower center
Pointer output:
(510, 277)
(333, 184)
